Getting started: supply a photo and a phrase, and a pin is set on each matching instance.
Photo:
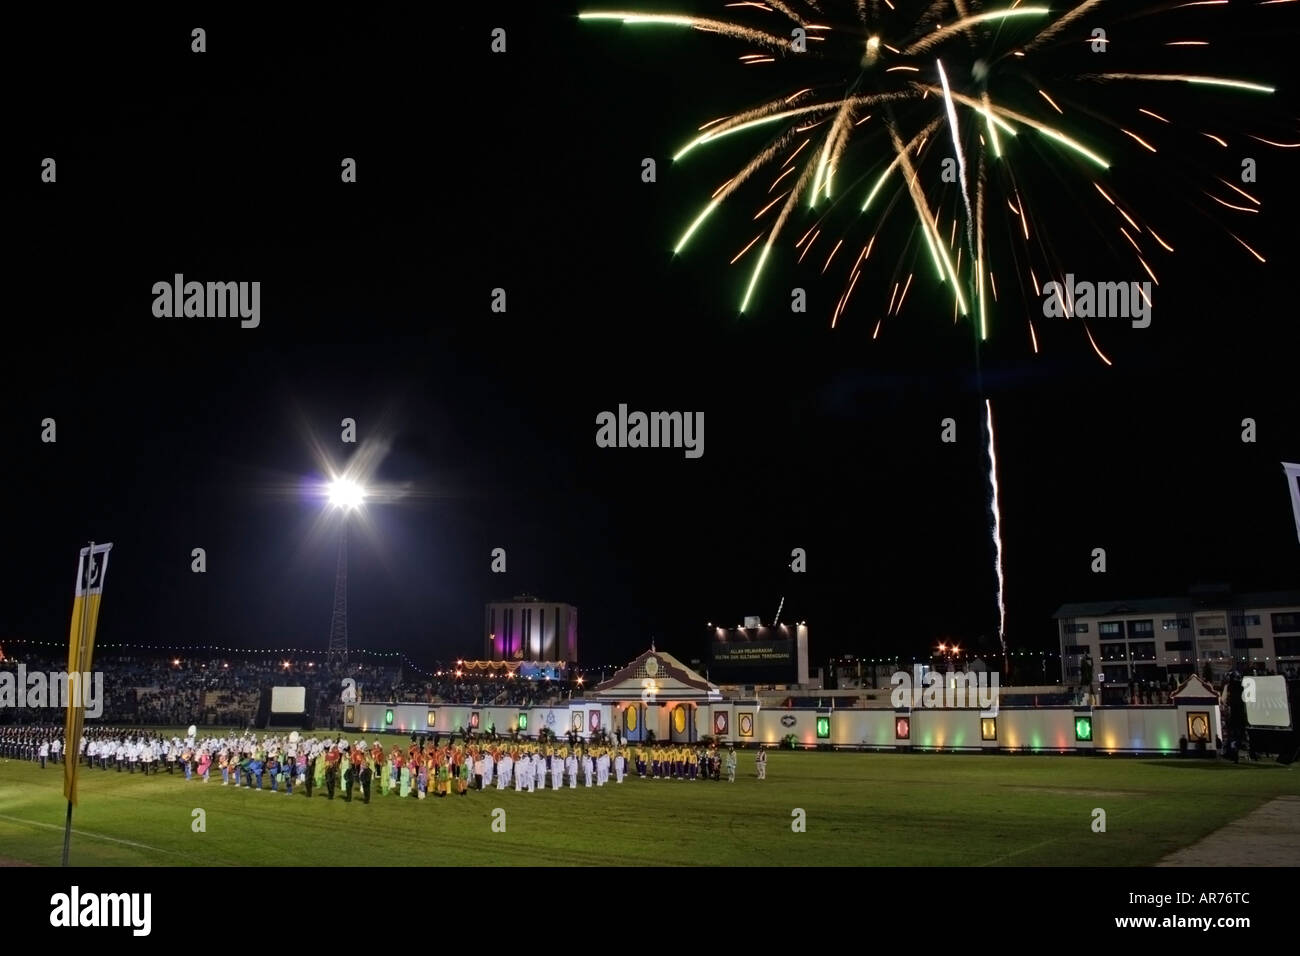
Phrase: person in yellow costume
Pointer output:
(445, 776)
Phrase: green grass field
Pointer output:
(861, 809)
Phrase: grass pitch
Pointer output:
(860, 809)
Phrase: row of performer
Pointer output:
(425, 767)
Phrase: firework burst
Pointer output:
(935, 111)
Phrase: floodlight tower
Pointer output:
(345, 496)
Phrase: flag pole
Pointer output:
(81, 657)
(67, 834)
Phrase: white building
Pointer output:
(1150, 639)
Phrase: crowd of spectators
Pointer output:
(166, 690)
(157, 689)
(511, 691)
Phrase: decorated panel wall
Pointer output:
(1045, 729)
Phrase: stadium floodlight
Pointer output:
(346, 494)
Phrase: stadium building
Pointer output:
(529, 629)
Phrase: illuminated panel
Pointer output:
(988, 728)
(1083, 728)
(388, 717)
(902, 728)
(523, 721)
(823, 727)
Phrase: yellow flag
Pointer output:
(91, 569)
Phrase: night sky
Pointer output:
(522, 171)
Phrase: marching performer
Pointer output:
(504, 767)
(405, 778)
(445, 776)
(321, 752)
(332, 758)
(365, 777)
(557, 771)
(394, 771)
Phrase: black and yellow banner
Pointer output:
(92, 566)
